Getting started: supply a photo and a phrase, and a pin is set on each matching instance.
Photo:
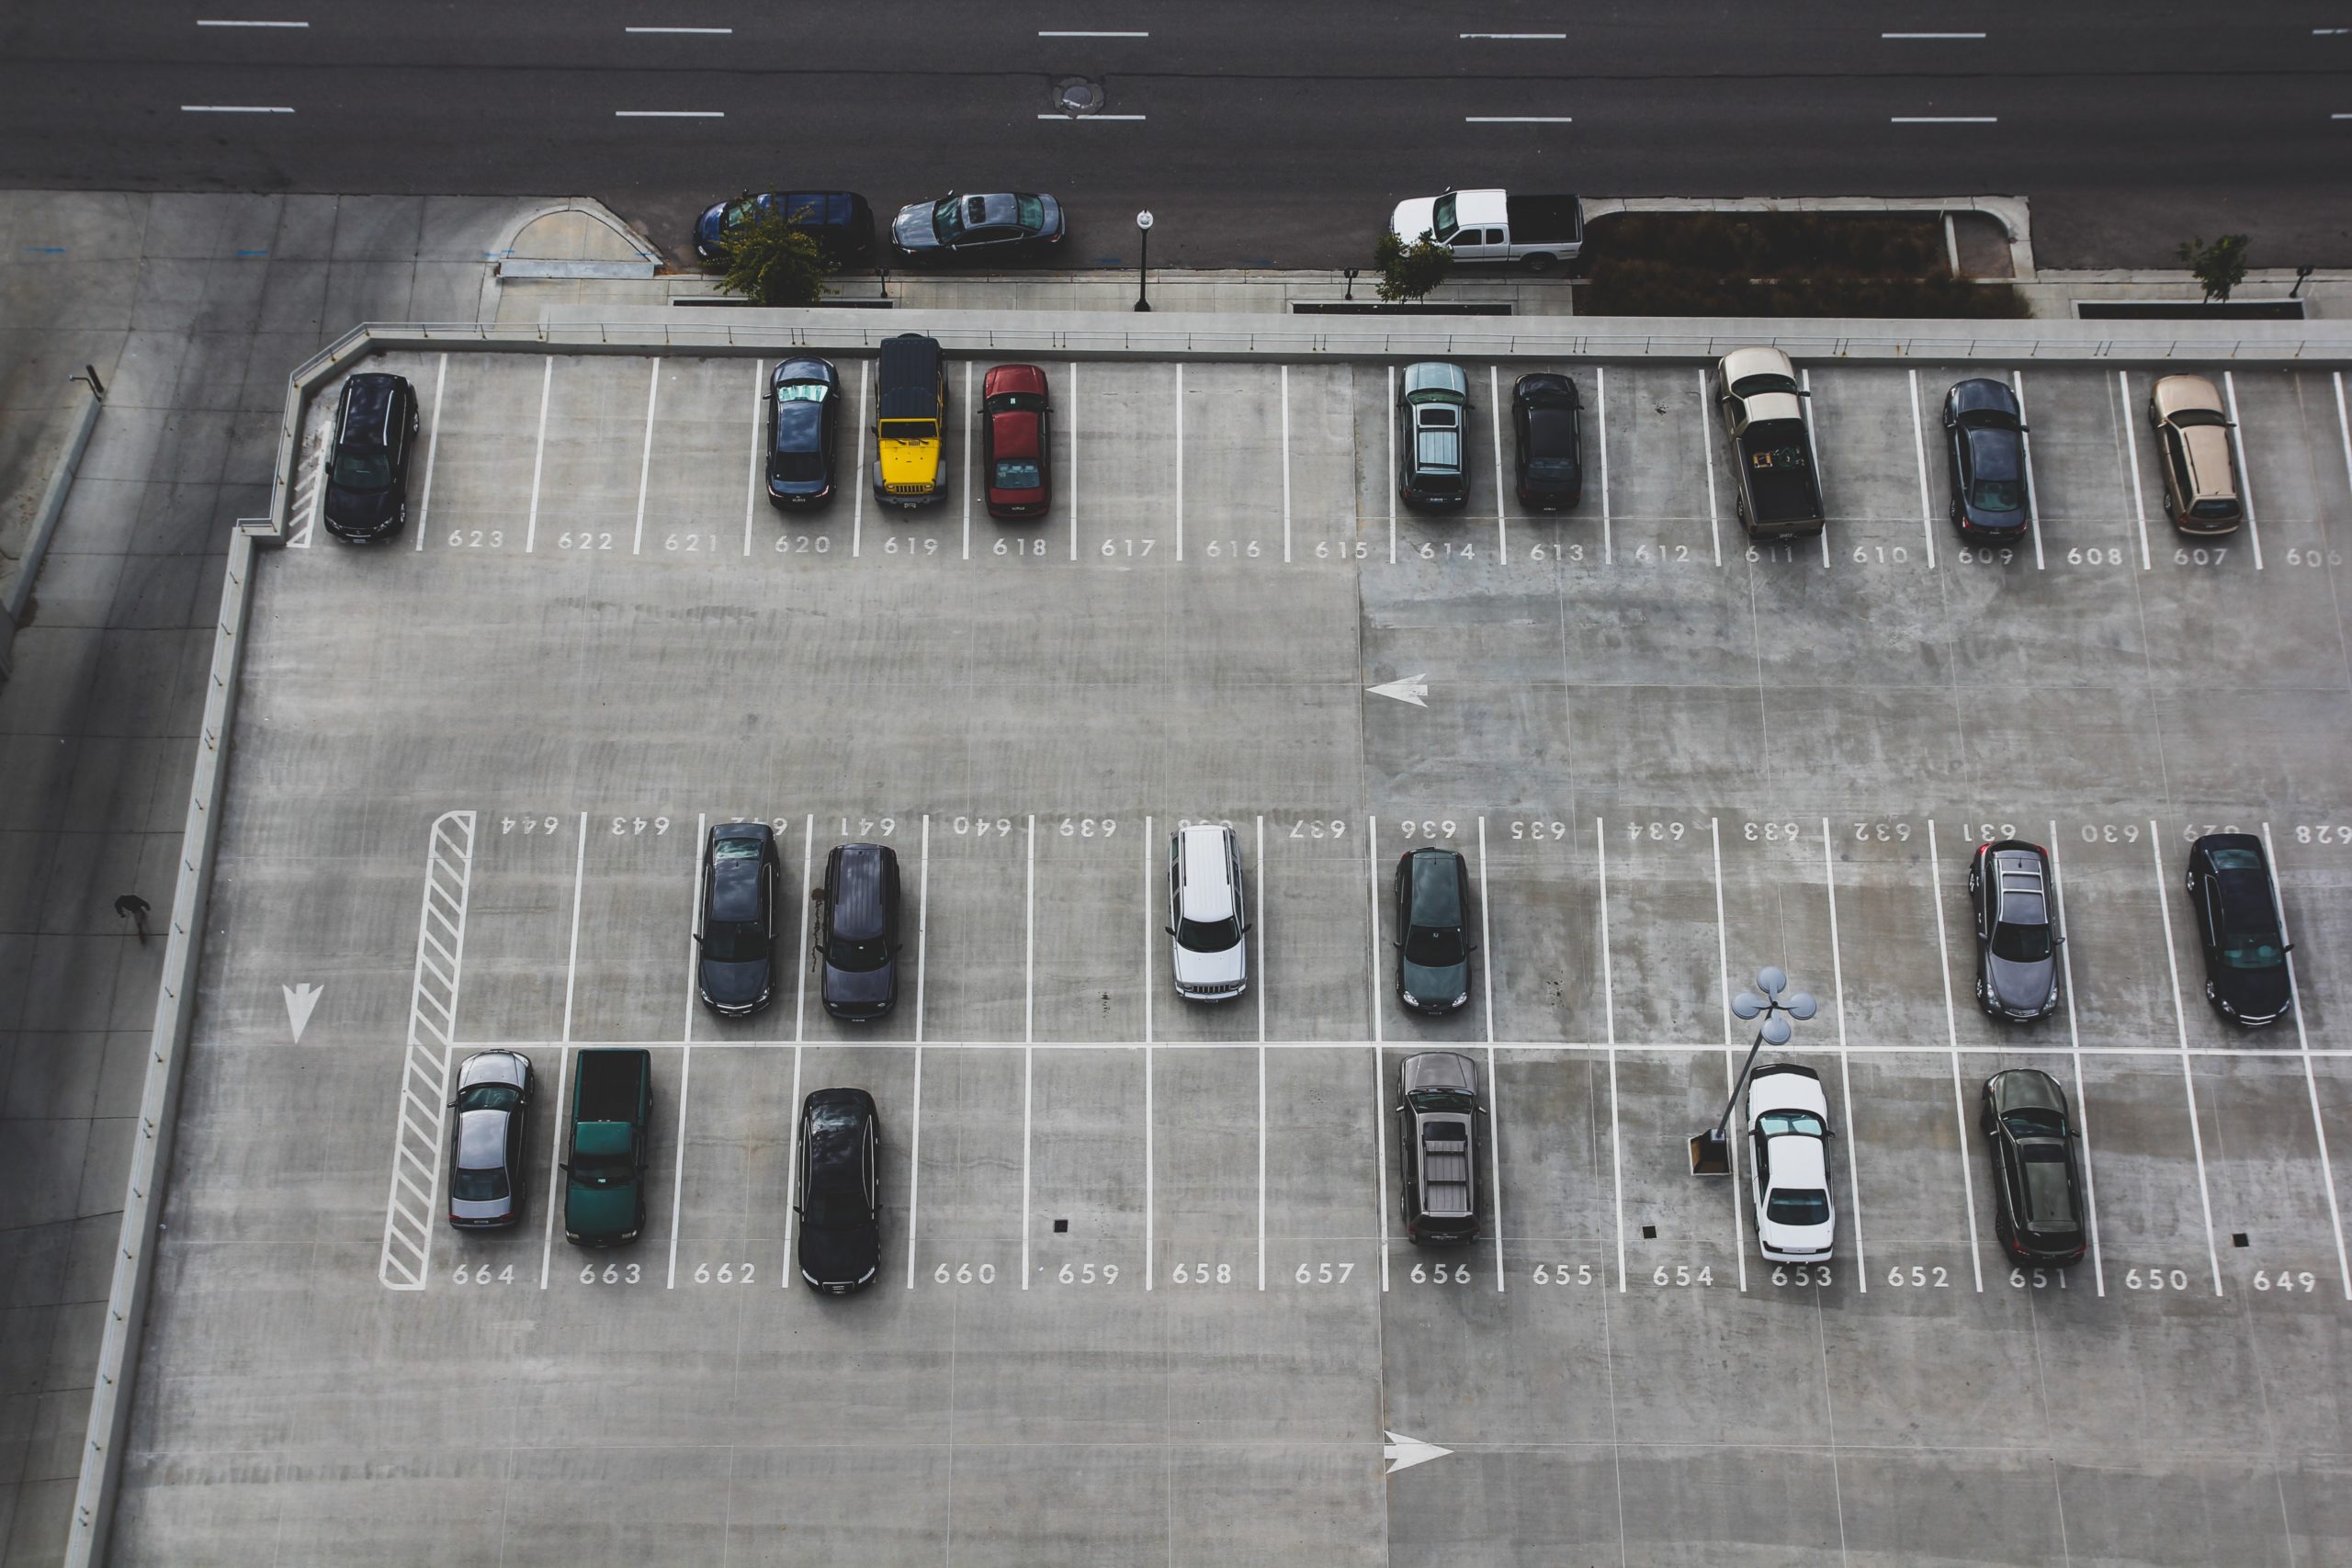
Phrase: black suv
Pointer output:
(840, 1189)
(1984, 454)
(2237, 921)
(804, 430)
(1432, 931)
(2017, 931)
(857, 931)
(1547, 423)
(1439, 1131)
(367, 480)
(740, 870)
(2037, 1182)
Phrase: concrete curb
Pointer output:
(44, 521)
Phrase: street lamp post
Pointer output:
(1711, 1150)
(1143, 228)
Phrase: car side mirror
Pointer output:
(2289, 948)
(564, 1165)
(697, 936)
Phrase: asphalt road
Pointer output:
(1267, 134)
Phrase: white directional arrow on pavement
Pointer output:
(300, 1000)
(1404, 1453)
(1411, 689)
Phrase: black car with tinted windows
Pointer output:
(840, 1206)
(1440, 1126)
(1432, 931)
(856, 923)
(2037, 1209)
(2236, 910)
(366, 476)
(1003, 226)
(735, 949)
(1984, 455)
(2017, 930)
(838, 221)
(804, 430)
(1547, 425)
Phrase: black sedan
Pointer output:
(2037, 1176)
(486, 1151)
(367, 479)
(1984, 450)
(1547, 422)
(1432, 931)
(741, 873)
(804, 430)
(2237, 921)
(2017, 930)
(840, 1189)
(1011, 226)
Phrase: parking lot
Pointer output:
(1145, 1294)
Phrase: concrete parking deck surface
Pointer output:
(1145, 1294)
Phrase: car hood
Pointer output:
(912, 228)
(361, 508)
(2255, 993)
(2020, 987)
(840, 1254)
(706, 226)
(1211, 968)
(1412, 218)
(1436, 985)
(736, 985)
(859, 988)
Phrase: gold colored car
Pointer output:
(910, 422)
(2193, 448)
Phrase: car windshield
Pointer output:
(1033, 212)
(1017, 473)
(1433, 947)
(1208, 936)
(1551, 468)
(2253, 949)
(740, 212)
(2034, 1123)
(2214, 509)
(362, 470)
(859, 957)
(1803, 1123)
(1757, 386)
(477, 1186)
(1017, 402)
(602, 1170)
(734, 942)
(1444, 1100)
(1798, 1206)
(800, 468)
(1442, 223)
(948, 218)
(2187, 417)
(2021, 944)
(490, 1097)
(1998, 495)
(802, 392)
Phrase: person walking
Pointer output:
(134, 908)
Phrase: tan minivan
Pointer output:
(2193, 449)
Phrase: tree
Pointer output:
(769, 262)
(2219, 266)
(1408, 272)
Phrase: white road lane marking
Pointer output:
(645, 465)
(1495, 425)
(1084, 32)
(1379, 1095)
(1070, 420)
(1150, 1199)
(972, 410)
(800, 957)
(1927, 35)
(1494, 1078)
(1180, 459)
(1261, 865)
(2132, 463)
(1707, 461)
(858, 480)
(208, 23)
(571, 958)
(2033, 495)
(432, 446)
(1944, 120)
(914, 1151)
(1529, 38)
(540, 455)
(412, 1202)
(2074, 1045)
(1389, 418)
(1609, 1012)
(686, 1031)
(1952, 1033)
(1079, 117)
(2187, 1078)
(1601, 409)
(1517, 119)
(1919, 452)
(554, 1165)
(235, 108)
(758, 452)
(1286, 468)
(1845, 1068)
(1028, 1038)
(669, 114)
(1730, 1048)
(2310, 1084)
(2343, 429)
(790, 1267)
(697, 32)
(1812, 450)
(2246, 475)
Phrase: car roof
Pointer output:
(1799, 1160)
(910, 372)
(1436, 376)
(1012, 379)
(481, 1140)
(735, 882)
(2208, 446)
(1435, 883)
(1982, 394)
(1207, 892)
(1013, 433)
(858, 890)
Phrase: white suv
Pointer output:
(1788, 1137)
(1205, 913)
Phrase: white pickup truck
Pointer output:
(1540, 231)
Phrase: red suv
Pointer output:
(1016, 422)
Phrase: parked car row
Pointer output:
(996, 227)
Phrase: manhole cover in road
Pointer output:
(1076, 95)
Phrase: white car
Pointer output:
(1788, 1141)
(1205, 913)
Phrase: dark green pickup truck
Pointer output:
(603, 1190)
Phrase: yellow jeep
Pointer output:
(909, 422)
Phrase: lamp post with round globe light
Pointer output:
(1143, 229)
(1710, 1150)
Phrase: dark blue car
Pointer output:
(804, 430)
(735, 961)
(840, 221)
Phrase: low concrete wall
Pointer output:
(32, 543)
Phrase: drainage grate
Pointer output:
(1649, 1232)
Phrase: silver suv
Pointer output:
(1206, 901)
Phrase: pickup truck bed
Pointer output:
(609, 1086)
(1544, 220)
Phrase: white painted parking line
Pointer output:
(1707, 462)
(2187, 1079)
(788, 1268)
(1389, 483)
(1379, 1092)
(1262, 1017)
(2032, 494)
(2132, 463)
(1731, 1071)
(1952, 1032)
(973, 410)
(412, 1204)
(1180, 459)
(645, 463)
(800, 955)
(758, 451)
(540, 455)
(2245, 474)
(1600, 407)
(563, 1062)
(2303, 1044)
(1494, 427)
(315, 514)
(1609, 1013)
(433, 445)
(1150, 1197)
(572, 956)
(2075, 1045)
(857, 485)
(2342, 430)
(1919, 452)
(1812, 450)
(1069, 501)
(1028, 1038)
(685, 1035)
(1286, 468)
(1845, 1068)
(1899, 1047)
(1494, 1079)
(914, 1151)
